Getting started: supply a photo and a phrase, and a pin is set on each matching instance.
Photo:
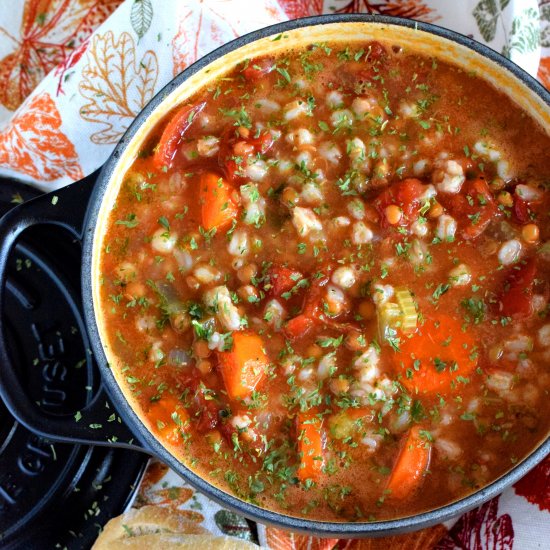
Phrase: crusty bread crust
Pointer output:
(158, 528)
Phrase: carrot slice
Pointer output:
(161, 414)
(244, 367)
(439, 353)
(411, 465)
(309, 429)
(173, 134)
(218, 207)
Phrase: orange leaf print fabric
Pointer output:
(50, 30)
(544, 71)
(186, 45)
(302, 8)
(116, 84)
(34, 144)
(206, 24)
(427, 539)
(277, 539)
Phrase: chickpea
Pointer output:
(355, 341)
(192, 282)
(134, 290)
(290, 196)
(247, 291)
(247, 272)
(435, 210)
(243, 131)
(200, 349)
(505, 199)
(393, 214)
(180, 322)
(498, 184)
(126, 272)
(214, 437)
(530, 233)
(367, 310)
(204, 366)
(339, 385)
(314, 351)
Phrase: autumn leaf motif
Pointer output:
(277, 539)
(411, 9)
(544, 14)
(201, 29)
(34, 144)
(481, 529)
(301, 8)
(232, 524)
(206, 24)
(155, 472)
(426, 539)
(535, 486)
(544, 71)
(524, 36)
(116, 85)
(50, 31)
(487, 14)
(141, 16)
(172, 496)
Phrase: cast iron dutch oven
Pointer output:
(83, 209)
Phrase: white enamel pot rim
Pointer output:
(423, 37)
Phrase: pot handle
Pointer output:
(97, 423)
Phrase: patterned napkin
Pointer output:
(74, 74)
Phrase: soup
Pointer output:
(325, 282)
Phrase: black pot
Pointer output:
(78, 207)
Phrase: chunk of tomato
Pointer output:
(516, 299)
(521, 211)
(258, 68)
(203, 410)
(312, 309)
(282, 279)
(174, 133)
(232, 163)
(473, 208)
(404, 194)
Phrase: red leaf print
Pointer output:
(33, 143)
(277, 539)
(301, 8)
(50, 31)
(200, 30)
(411, 9)
(544, 71)
(70, 61)
(535, 486)
(425, 539)
(480, 529)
